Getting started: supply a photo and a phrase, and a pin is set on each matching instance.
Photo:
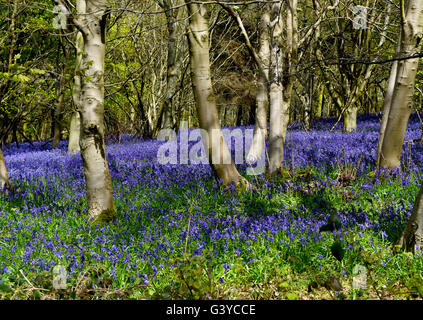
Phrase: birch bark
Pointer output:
(262, 99)
(218, 153)
(386, 108)
(401, 101)
(283, 55)
(74, 130)
(276, 141)
(172, 70)
(75, 123)
(98, 182)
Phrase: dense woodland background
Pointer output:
(90, 91)
(38, 65)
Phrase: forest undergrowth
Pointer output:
(305, 233)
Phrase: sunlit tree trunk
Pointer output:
(262, 100)
(4, 177)
(282, 67)
(60, 92)
(350, 119)
(43, 133)
(172, 70)
(99, 188)
(57, 118)
(319, 103)
(290, 53)
(308, 104)
(74, 130)
(276, 138)
(75, 123)
(401, 103)
(218, 153)
(386, 108)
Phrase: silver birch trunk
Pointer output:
(319, 108)
(308, 104)
(74, 130)
(218, 153)
(57, 134)
(98, 181)
(262, 100)
(172, 71)
(401, 103)
(386, 108)
(282, 66)
(350, 119)
(289, 62)
(75, 123)
(276, 141)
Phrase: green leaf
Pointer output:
(37, 295)
(5, 75)
(36, 71)
(292, 296)
(371, 174)
(5, 288)
(21, 78)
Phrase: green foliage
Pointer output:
(262, 269)
(283, 268)
(5, 288)
(193, 279)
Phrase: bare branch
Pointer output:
(250, 47)
(77, 23)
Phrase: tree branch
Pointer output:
(250, 47)
(75, 21)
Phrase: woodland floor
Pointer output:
(180, 236)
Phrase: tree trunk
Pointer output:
(172, 70)
(60, 94)
(282, 67)
(218, 153)
(262, 100)
(12, 35)
(74, 131)
(350, 119)
(320, 102)
(75, 123)
(401, 103)
(239, 113)
(276, 139)
(308, 105)
(4, 177)
(43, 134)
(412, 235)
(386, 109)
(98, 181)
(387, 101)
(57, 118)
